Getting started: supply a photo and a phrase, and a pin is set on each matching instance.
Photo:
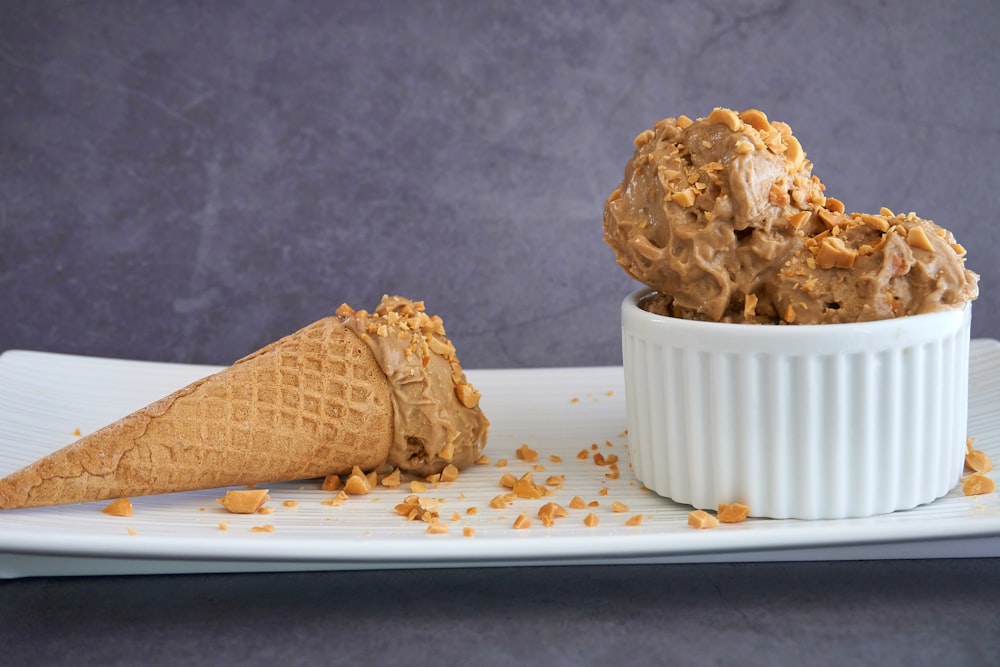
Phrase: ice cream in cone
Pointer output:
(355, 389)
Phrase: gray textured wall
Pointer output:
(185, 181)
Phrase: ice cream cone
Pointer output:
(311, 404)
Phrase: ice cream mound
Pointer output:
(724, 218)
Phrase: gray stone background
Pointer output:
(186, 181)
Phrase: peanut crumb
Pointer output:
(583, 454)
(603, 491)
(291, 503)
(507, 480)
(119, 507)
(357, 485)
(482, 461)
(472, 510)
(223, 525)
(392, 480)
(702, 519)
(437, 528)
(634, 520)
(76, 431)
(468, 531)
(978, 461)
(977, 484)
(266, 528)
(555, 458)
(265, 510)
(526, 453)
(417, 486)
(522, 521)
(131, 531)
(499, 502)
(244, 502)
(549, 512)
(450, 473)
(577, 503)
(619, 507)
(556, 480)
(591, 520)
(525, 487)
(335, 501)
(732, 512)
(501, 463)
(331, 483)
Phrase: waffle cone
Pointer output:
(311, 404)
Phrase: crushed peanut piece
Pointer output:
(526, 453)
(265, 510)
(556, 480)
(522, 521)
(917, 238)
(501, 463)
(392, 480)
(336, 501)
(468, 531)
(732, 512)
(591, 520)
(583, 453)
(555, 458)
(725, 117)
(977, 484)
(331, 483)
(549, 512)
(437, 529)
(500, 502)
(507, 480)
(76, 431)
(619, 507)
(525, 487)
(702, 519)
(976, 460)
(120, 507)
(357, 485)
(417, 486)
(449, 473)
(482, 461)
(577, 503)
(266, 528)
(603, 491)
(223, 525)
(291, 503)
(634, 520)
(244, 502)
(472, 510)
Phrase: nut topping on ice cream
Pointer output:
(724, 218)
(436, 411)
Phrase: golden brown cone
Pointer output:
(311, 404)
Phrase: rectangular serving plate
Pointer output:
(567, 415)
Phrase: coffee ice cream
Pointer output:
(724, 218)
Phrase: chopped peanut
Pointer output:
(977, 484)
(244, 502)
(917, 238)
(976, 460)
(591, 520)
(437, 529)
(291, 503)
(525, 487)
(507, 480)
(522, 522)
(732, 512)
(266, 528)
(120, 507)
(577, 503)
(619, 507)
(482, 461)
(702, 519)
(468, 531)
(417, 487)
(526, 453)
(450, 473)
(725, 117)
(550, 511)
(634, 520)
(392, 480)
(357, 485)
(331, 483)
(336, 501)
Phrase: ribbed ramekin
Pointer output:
(808, 421)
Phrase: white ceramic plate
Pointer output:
(45, 397)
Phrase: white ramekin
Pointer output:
(809, 421)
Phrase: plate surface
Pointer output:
(566, 413)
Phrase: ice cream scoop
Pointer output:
(724, 218)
